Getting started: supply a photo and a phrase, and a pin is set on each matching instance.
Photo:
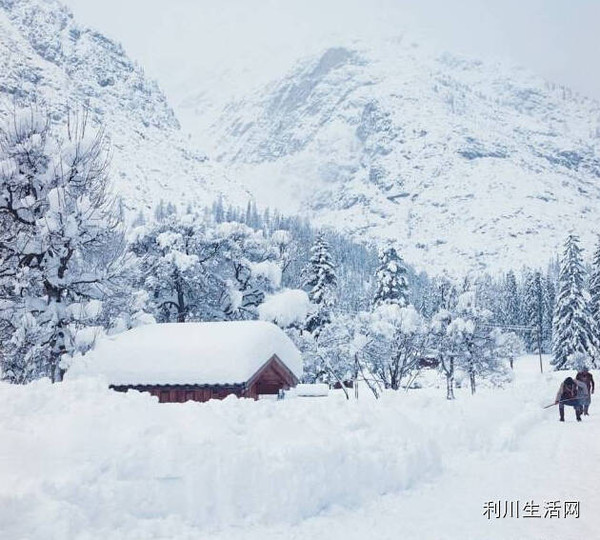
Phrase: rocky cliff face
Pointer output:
(47, 58)
(465, 164)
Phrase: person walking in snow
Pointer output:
(571, 393)
(585, 377)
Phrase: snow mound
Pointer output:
(188, 353)
(79, 458)
(311, 390)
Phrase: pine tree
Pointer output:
(391, 278)
(550, 302)
(595, 291)
(218, 210)
(160, 211)
(534, 311)
(445, 294)
(511, 301)
(320, 276)
(573, 324)
(140, 219)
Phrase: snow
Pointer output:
(86, 337)
(463, 164)
(88, 310)
(234, 296)
(389, 140)
(167, 239)
(182, 261)
(187, 353)
(152, 159)
(466, 302)
(270, 270)
(98, 462)
(55, 198)
(286, 308)
(310, 390)
(387, 319)
(80, 461)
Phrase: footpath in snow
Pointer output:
(78, 461)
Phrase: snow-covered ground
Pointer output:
(78, 461)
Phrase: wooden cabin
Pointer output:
(179, 362)
(270, 378)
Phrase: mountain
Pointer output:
(49, 59)
(466, 164)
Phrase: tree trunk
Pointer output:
(449, 386)
(57, 342)
(394, 373)
(181, 307)
(367, 382)
(450, 380)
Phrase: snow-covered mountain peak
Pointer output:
(464, 163)
(48, 58)
(97, 68)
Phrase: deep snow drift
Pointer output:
(80, 461)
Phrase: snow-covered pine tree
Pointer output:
(321, 279)
(488, 297)
(218, 210)
(534, 311)
(391, 280)
(550, 303)
(573, 324)
(445, 294)
(160, 211)
(139, 220)
(595, 291)
(511, 301)
(60, 241)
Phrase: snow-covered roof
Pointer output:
(188, 353)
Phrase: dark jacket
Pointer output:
(586, 377)
(571, 389)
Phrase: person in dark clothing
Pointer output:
(571, 393)
(585, 377)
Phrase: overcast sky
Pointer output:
(181, 41)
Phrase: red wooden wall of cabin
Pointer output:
(166, 394)
(269, 380)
